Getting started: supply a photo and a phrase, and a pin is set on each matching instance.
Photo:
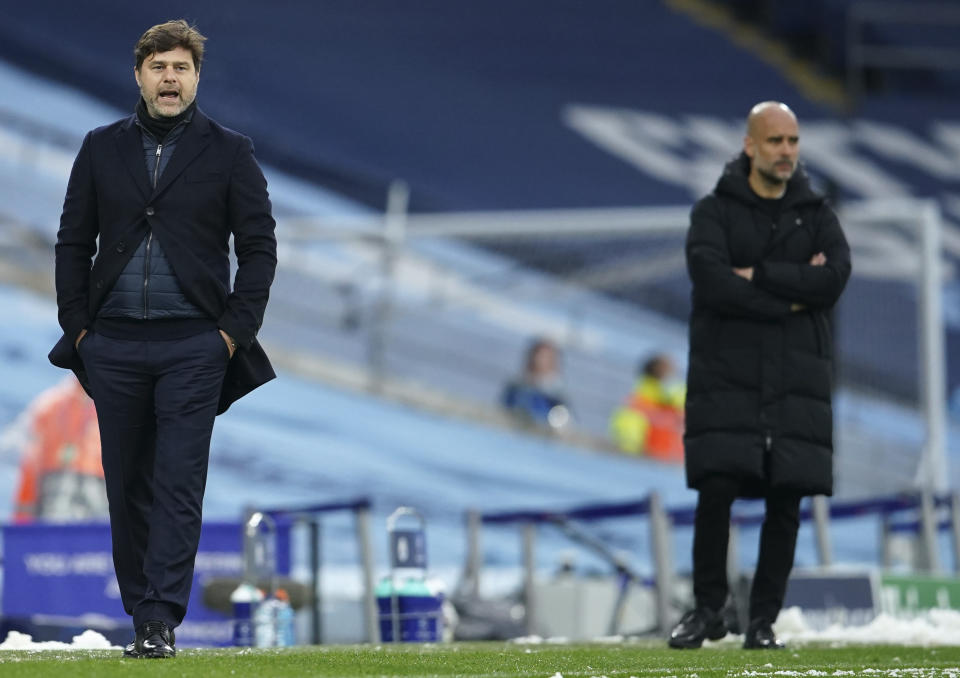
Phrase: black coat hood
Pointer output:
(734, 183)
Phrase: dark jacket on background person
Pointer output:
(211, 188)
(759, 382)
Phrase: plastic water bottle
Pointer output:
(245, 599)
(265, 623)
(284, 620)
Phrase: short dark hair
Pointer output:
(651, 367)
(167, 36)
(535, 346)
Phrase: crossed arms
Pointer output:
(768, 289)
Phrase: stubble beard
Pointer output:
(156, 112)
(774, 180)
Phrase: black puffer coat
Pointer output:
(759, 381)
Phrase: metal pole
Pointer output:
(955, 526)
(735, 583)
(932, 474)
(316, 560)
(821, 523)
(661, 545)
(249, 557)
(733, 555)
(928, 534)
(529, 575)
(362, 518)
(394, 231)
(886, 557)
(471, 578)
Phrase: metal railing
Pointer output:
(912, 512)
(310, 517)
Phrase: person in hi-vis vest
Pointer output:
(650, 422)
(61, 476)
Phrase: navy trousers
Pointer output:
(156, 402)
(711, 532)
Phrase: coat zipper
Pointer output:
(146, 259)
(768, 441)
(146, 276)
(156, 168)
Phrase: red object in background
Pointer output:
(61, 476)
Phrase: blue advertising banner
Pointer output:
(849, 598)
(62, 575)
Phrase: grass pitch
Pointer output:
(645, 659)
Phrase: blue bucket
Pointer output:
(418, 613)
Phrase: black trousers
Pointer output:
(778, 540)
(156, 402)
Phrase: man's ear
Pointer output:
(136, 76)
(748, 147)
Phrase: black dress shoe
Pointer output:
(154, 640)
(760, 636)
(695, 627)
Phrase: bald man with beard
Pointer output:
(768, 260)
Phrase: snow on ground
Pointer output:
(928, 628)
(88, 640)
(903, 672)
(932, 627)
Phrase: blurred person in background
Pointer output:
(536, 396)
(650, 422)
(768, 259)
(61, 477)
(152, 326)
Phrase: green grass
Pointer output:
(645, 659)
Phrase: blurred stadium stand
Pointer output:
(880, 48)
(496, 105)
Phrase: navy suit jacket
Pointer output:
(211, 188)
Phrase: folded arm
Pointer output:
(715, 284)
(817, 283)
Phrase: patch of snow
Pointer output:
(88, 640)
(539, 640)
(932, 627)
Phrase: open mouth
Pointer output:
(168, 96)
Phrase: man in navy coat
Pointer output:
(152, 326)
